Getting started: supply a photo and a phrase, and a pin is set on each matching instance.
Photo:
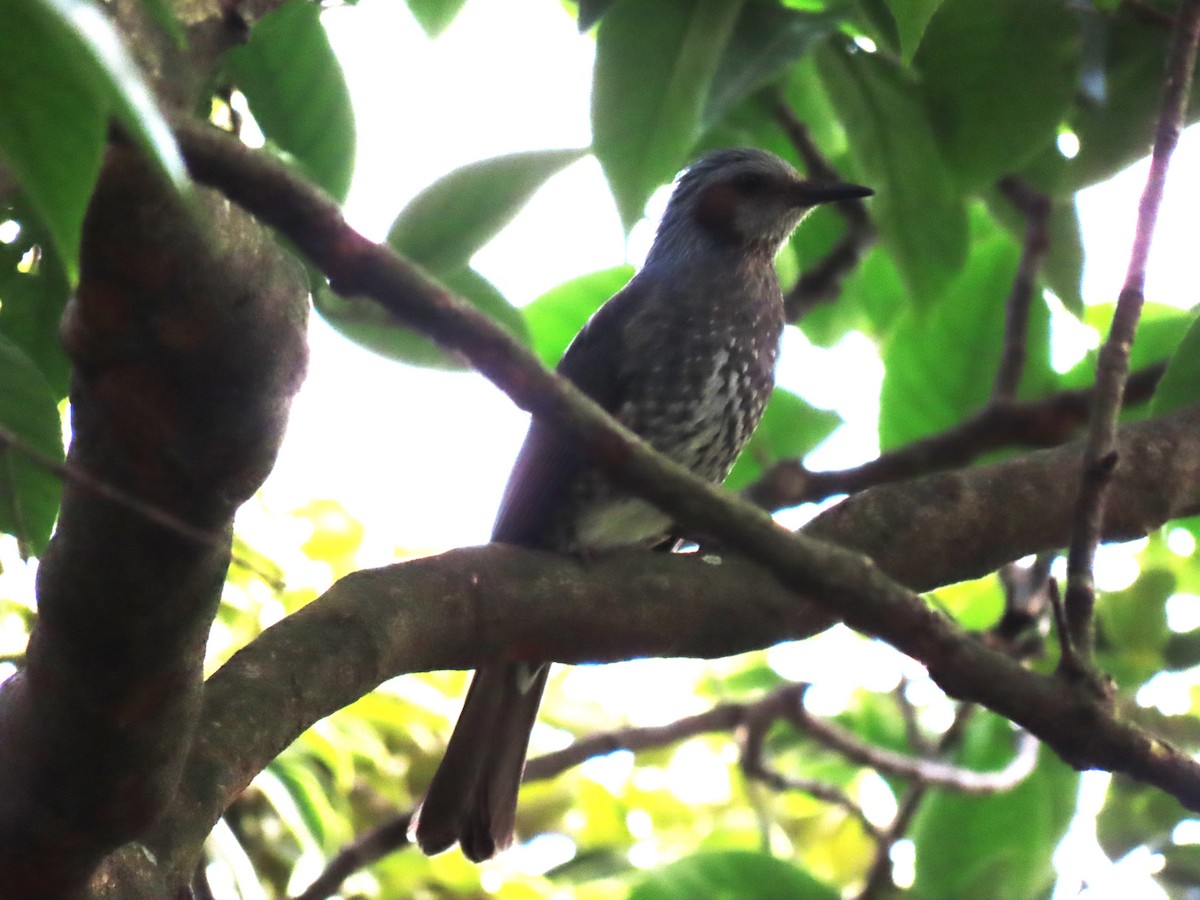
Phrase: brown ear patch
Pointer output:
(716, 210)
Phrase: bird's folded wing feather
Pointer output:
(549, 460)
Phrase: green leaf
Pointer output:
(655, 61)
(911, 18)
(766, 40)
(556, 317)
(435, 16)
(876, 286)
(370, 325)
(297, 92)
(301, 802)
(33, 292)
(940, 363)
(790, 428)
(1180, 385)
(999, 77)
(1133, 626)
(731, 875)
(921, 216)
(63, 71)
(448, 222)
(591, 12)
(1115, 121)
(1160, 332)
(1135, 814)
(29, 495)
(1001, 845)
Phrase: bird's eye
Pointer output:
(750, 182)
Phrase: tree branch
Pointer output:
(473, 605)
(1036, 207)
(1000, 425)
(490, 624)
(752, 720)
(1101, 458)
(95, 727)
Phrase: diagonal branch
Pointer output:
(842, 583)
(374, 625)
(1100, 457)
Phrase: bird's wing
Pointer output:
(548, 459)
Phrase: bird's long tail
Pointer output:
(473, 796)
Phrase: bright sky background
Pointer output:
(420, 457)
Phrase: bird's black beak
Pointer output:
(808, 193)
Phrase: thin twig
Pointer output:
(912, 727)
(879, 876)
(929, 771)
(1047, 422)
(754, 717)
(358, 854)
(11, 442)
(8, 482)
(823, 282)
(752, 738)
(1036, 207)
(1112, 368)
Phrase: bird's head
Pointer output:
(745, 199)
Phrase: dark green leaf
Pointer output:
(33, 291)
(28, 493)
(1180, 385)
(766, 40)
(556, 317)
(1182, 866)
(63, 71)
(940, 363)
(591, 12)
(655, 61)
(435, 16)
(1115, 121)
(368, 324)
(731, 875)
(1001, 845)
(444, 225)
(1160, 331)
(920, 214)
(876, 287)
(999, 77)
(805, 93)
(790, 428)
(297, 92)
(911, 17)
(309, 814)
(1133, 626)
(1135, 814)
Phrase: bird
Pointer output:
(684, 356)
